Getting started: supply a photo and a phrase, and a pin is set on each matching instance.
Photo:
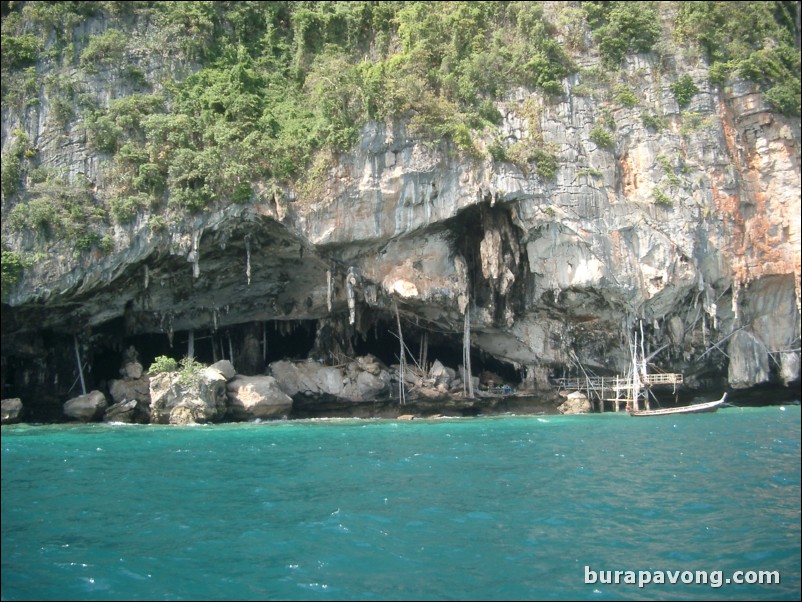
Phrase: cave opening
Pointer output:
(250, 346)
(499, 280)
(381, 340)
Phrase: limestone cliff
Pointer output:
(688, 232)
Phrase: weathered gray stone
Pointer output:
(575, 403)
(226, 368)
(132, 370)
(86, 408)
(257, 397)
(749, 360)
(199, 401)
(11, 410)
(126, 411)
(124, 390)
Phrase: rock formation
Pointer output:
(689, 232)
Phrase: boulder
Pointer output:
(369, 386)
(128, 389)
(442, 374)
(576, 403)
(257, 397)
(86, 408)
(225, 368)
(308, 377)
(132, 370)
(10, 410)
(128, 411)
(177, 400)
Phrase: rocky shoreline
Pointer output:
(360, 388)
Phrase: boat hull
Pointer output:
(699, 408)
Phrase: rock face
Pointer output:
(551, 271)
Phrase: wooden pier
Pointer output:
(617, 389)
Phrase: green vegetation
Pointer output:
(653, 122)
(665, 163)
(105, 49)
(624, 95)
(190, 373)
(20, 51)
(11, 270)
(163, 363)
(259, 95)
(684, 90)
(755, 40)
(55, 209)
(622, 27)
(602, 137)
(189, 369)
(661, 199)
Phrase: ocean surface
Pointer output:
(501, 508)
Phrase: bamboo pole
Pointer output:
(402, 357)
(264, 341)
(78, 360)
(466, 355)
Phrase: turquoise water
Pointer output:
(484, 508)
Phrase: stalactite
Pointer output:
(191, 344)
(328, 289)
(170, 329)
(350, 283)
(736, 289)
(230, 349)
(264, 341)
(147, 277)
(248, 258)
(195, 254)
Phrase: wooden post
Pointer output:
(264, 341)
(424, 350)
(466, 355)
(78, 360)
